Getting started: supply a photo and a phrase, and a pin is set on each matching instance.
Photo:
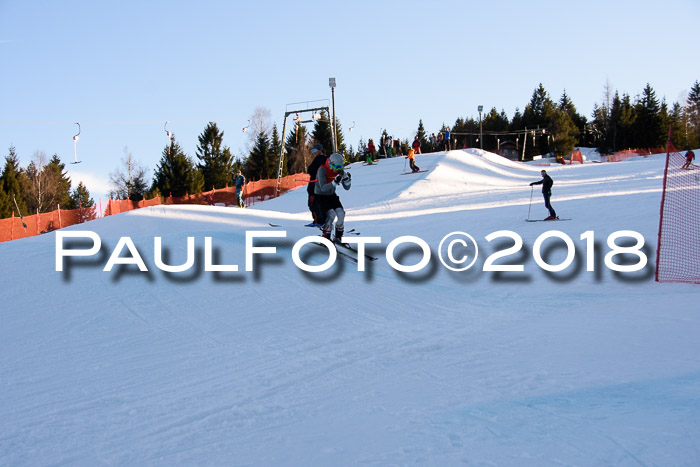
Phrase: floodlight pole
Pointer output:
(331, 83)
(481, 129)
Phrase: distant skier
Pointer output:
(689, 156)
(371, 152)
(397, 148)
(328, 177)
(320, 158)
(240, 183)
(446, 138)
(383, 144)
(547, 183)
(412, 161)
(416, 145)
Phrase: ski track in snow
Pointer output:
(342, 367)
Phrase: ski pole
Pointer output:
(530, 205)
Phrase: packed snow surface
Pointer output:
(278, 366)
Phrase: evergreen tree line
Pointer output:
(215, 165)
(618, 122)
(42, 186)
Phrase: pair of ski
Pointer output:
(546, 220)
(347, 251)
(351, 231)
(344, 249)
(416, 172)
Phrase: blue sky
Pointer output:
(123, 68)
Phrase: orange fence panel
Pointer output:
(253, 192)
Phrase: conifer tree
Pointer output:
(420, 133)
(61, 183)
(493, 121)
(361, 153)
(322, 132)
(562, 129)
(215, 159)
(81, 196)
(516, 122)
(298, 153)
(258, 165)
(566, 106)
(692, 116)
(664, 123)
(80, 199)
(6, 207)
(10, 185)
(275, 148)
(340, 138)
(350, 155)
(676, 119)
(625, 121)
(176, 173)
(601, 122)
(648, 127)
(534, 111)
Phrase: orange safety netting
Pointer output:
(253, 192)
(620, 156)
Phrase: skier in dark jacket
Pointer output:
(416, 145)
(689, 156)
(239, 180)
(547, 183)
(328, 177)
(319, 159)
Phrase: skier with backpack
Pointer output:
(328, 177)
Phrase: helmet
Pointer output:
(336, 161)
(317, 147)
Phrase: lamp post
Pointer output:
(331, 83)
(481, 133)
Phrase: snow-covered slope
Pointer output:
(282, 367)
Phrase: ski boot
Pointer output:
(339, 235)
